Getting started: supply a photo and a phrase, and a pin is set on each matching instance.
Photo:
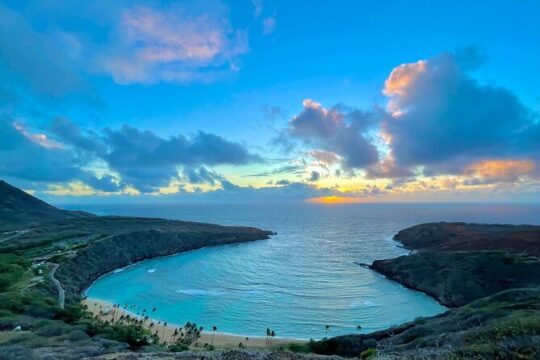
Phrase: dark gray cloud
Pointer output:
(314, 176)
(106, 183)
(34, 158)
(448, 120)
(388, 170)
(201, 175)
(287, 169)
(339, 130)
(148, 161)
(23, 157)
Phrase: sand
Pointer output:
(221, 340)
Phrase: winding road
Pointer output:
(61, 291)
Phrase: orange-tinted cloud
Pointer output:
(501, 170)
(402, 77)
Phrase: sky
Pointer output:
(255, 100)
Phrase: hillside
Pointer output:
(445, 236)
(20, 208)
(49, 256)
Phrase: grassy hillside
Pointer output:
(20, 208)
(502, 326)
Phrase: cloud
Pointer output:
(201, 175)
(325, 157)
(146, 161)
(258, 8)
(33, 59)
(442, 119)
(388, 169)
(173, 43)
(287, 169)
(269, 25)
(337, 130)
(106, 183)
(315, 176)
(497, 171)
(29, 156)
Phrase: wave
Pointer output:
(200, 292)
(118, 270)
(205, 292)
(151, 270)
(365, 303)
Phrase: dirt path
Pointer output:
(61, 292)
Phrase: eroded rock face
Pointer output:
(97, 258)
(444, 236)
(457, 263)
(457, 278)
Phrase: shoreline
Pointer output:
(220, 339)
(83, 292)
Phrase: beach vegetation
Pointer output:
(369, 354)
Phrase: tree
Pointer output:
(214, 329)
(247, 340)
(358, 327)
(326, 328)
(163, 330)
(272, 334)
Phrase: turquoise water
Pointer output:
(297, 282)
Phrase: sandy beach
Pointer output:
(104, 310)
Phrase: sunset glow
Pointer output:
(331, 200)
(228, 101)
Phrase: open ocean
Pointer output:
(297, 282)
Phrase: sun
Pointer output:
(329, 200)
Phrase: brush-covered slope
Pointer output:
(19, 208)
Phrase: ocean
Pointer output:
(297, 282)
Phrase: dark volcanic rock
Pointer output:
(457, 278)
(443, 236)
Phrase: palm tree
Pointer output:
(163, 332)
(267, 335)
(246, 341)
(214, 329)
(326, 328)
(175, 334)
(273, 334)
(358, 327)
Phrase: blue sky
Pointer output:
(330, 101)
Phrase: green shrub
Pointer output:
(15, 352)
(50, 328)
(178, 347)
(72, 314)
(299, 348)
(369, 354)
(134, 336)
(12, 268)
